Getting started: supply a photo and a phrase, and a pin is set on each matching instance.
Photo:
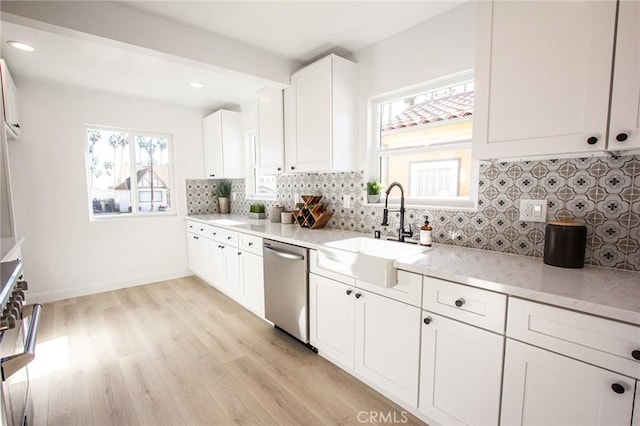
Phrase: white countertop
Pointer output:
(611, 293)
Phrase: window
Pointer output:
(263, 179)
(113, 157)
(423, 138)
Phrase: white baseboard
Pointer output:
(67, 293)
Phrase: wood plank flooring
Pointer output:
(181, 353)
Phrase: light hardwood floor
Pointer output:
(181, 353)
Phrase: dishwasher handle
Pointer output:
(283, 254)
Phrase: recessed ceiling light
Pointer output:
(21, 46)
(196, 84)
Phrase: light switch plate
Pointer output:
(533, 210)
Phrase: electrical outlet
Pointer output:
(346, 201)
(533, 210)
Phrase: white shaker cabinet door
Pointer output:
(388, 344)
(195, 253)
(313, 89)
(270, 130)
(543, 73)
(252, 282)
(232, 271)
(543, 388)
(624, 130)
(460, 372)
(331, 318)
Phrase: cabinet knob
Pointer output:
(221, 247)
(358, 295)
(214, 233)
(459, 302)
(293, 167)
(201, 229)
(228, 238)
(592, 140)
(621, 137)
(636, 354)
(349, 292)
(617, 388)
(250, 243)
(195, 238)
(279, 169)
(427, 320)
(239, 253)
(212, 175)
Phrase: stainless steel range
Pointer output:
(18, 330)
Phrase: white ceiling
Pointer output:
(95, 66)
(300, 30)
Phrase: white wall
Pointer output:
(65, 254)
(432, 49)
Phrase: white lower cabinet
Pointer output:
(332, 319)
(232, 270)
(388, 344)
(544, 388)
(460, 372)
(195, 249)
(251, 282)
(376, 337)
(229, 261)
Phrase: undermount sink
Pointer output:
(226, 222)
(366, 259)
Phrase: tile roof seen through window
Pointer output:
(450, 107)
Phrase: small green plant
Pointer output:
(374, 188)
(256, 208)
(223, 190)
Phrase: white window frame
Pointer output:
(375, 154)
(253, 171)
(134, 187)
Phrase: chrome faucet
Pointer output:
(385, 213)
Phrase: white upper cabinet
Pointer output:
(270, 130)
(543, 76)
(624, 128)
(10, 98)
(321, 117)
(223, 145)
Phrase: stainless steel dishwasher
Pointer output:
(286, 288)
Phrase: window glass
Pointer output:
(109, 170)
(152, 169)
(113, 156)
(424, 143)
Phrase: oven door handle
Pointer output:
(13, 363)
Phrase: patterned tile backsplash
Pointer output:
(602, 192)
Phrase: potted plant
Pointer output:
(374, 188)
(223, 190)
(257, 211)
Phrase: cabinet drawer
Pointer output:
(408, 289)
(478, 307)
(250, 243)
(213, 232)
(230, 237)
(197, 228)
(596, 340)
